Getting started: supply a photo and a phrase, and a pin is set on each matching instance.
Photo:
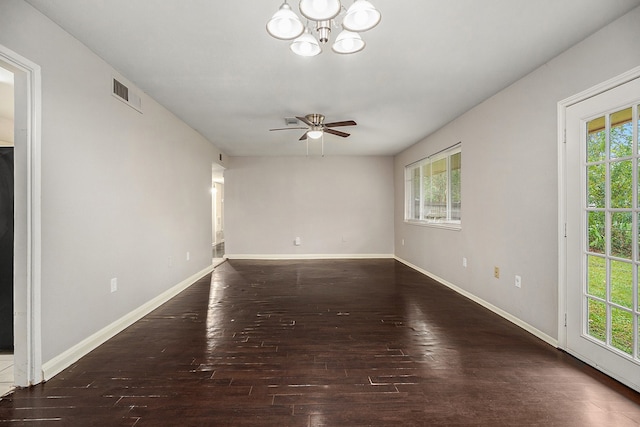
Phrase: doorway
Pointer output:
(27, 357)
(217, 209)
(6, 229)
(602, 208)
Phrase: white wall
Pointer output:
(336, 205)
(122, 192)
(509, 182)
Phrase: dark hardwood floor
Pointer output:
(323, 343)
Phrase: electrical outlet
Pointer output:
(170, 261)
(402, 242)
(518, 282)
(297, 241)
(188, 256)
(496, 272)
(464, 262)
(114, 284)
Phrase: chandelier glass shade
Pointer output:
(315, 133)
(306, 45)
(320, 10)
(361, 16)
(322, 16)
(285, 24)
(348, 42)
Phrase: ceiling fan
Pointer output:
(316, 127)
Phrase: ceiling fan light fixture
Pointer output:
(361, 16)
(320, 10)
(314, 133)
(306, 45)
(348, 42)
(285, 24)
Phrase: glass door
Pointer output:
(603, 217)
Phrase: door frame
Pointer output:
(27, 216)
(562, 193)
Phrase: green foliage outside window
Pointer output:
(616, 219)
(620, 189)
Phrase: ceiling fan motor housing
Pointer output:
(316, 119)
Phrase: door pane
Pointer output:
(597, 276)
(596, 185)
(621, 234)
(597, 236)
(596, 140)
(622, 330)
(621, 184)
(597, 315)
(621, 134)
(638, 237)
(622, 283)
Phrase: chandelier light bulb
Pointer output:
(306, 45)
(348, 42)
(320, 10)
(285, 24)
(361, 16)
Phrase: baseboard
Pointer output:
(70, 356)
(508, 316)
(306, 256)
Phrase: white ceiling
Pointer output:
(213, 64)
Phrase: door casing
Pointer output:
(27, 216)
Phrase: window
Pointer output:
(432, 192)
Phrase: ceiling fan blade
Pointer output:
(303, 137)
(304, 120)
(289, 128)
(344, 123)
(337, 132)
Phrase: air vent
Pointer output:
(290, 121)
(122, 92)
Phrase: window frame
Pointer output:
(411, 203)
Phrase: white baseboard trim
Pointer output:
(306, 256)
(508, 316)
(70, 356)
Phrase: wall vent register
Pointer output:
(123, 93)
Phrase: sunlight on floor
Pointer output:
(6, 373)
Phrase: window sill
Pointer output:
(445, 225)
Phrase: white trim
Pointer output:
(307, 256)
(595, 365)
(562, 221)
(444, 225)
(32, 311)
(511, 318)
(619, 80)
(67, 358)
(623, 78)
(217, 261)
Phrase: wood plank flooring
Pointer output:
(323, 343)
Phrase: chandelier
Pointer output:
(321, 16)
